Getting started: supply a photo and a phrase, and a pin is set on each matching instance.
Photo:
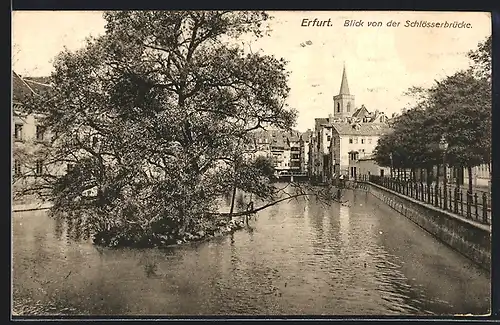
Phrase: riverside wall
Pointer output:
(468, 237)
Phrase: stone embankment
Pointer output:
(470, 238)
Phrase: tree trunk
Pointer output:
(232, 202)
(469, 171)
(437, 174)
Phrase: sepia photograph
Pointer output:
(251, 163)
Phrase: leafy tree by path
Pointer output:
(458, 108)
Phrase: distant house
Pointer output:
(287, 149)
(367, 166)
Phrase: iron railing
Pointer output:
(471, 205)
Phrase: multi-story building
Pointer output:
(305, 140)
(31, 140)
(287, 149)
(350, 142)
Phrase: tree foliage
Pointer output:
(458, 108)
(155, 114)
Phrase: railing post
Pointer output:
(450, 199)
(485, 209)
(428, 190)
(422, 195)
(469, 202)
(436, 193)
(441, 198)
(461, 203)
(475, 206)
(456, 200)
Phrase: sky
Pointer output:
(381, 62)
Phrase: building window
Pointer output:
(17, 168)
(369, 140)
(18, 132)
(362, 141)
(40, 132)
(348, 107)
(338, 107)
(39, 167)
(356, 140)
(328, 138)
(350, 140)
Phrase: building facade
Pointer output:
(352, 142)
(367, 166)
(31, 140)
(288, 150)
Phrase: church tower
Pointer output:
(343, 103)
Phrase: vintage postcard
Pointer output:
(279, 163)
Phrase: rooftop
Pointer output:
(23, 87)
(361, 128)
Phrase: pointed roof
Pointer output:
(344, 86)
(24, 87)
(361, 112)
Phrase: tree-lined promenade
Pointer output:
(450, 125)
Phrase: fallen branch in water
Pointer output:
(253, 211)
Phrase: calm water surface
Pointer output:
(298, 257)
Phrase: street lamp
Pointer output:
(443, 145)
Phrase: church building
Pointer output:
(346, 135)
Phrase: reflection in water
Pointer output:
(298, 257)
(344, 225)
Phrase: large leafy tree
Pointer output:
(457, 108)
(417, 140)
(154, 116)
(481, 58)
(461, 112)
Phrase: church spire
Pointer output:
(344, 86)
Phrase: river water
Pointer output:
(297, 257)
